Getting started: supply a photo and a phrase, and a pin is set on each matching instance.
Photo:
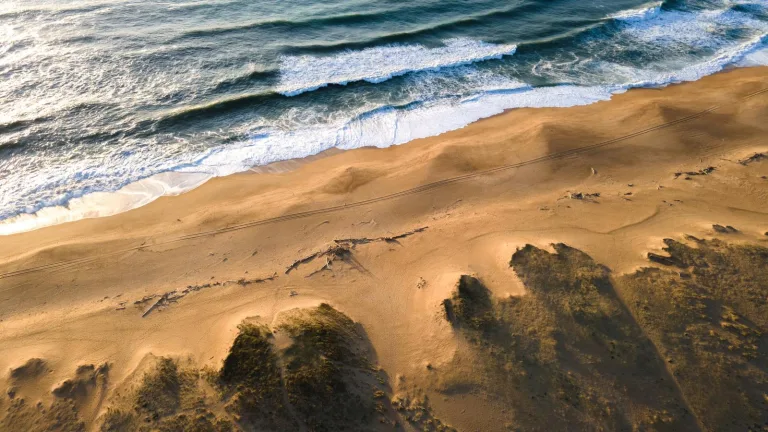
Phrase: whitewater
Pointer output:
(161, 118)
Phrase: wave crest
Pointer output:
(300, 74)
(648, 11)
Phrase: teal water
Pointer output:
(98, 94)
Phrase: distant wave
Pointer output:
(703, 29)
(694, 72)
(219, 106)
(358, 19)
(299, 74)
(361, 18)
(24, 12)
(228, 104)
(648, 11)
(243, 80)
(204, 4)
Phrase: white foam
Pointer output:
(473, 93)
(645, 12)
(100, 204)
(378, 126)
(733, 55)
(702, 29)
(756, 57)
(299, 74)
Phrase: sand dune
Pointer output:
(497, 277)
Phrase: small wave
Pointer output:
(379, 126)
(357, 19)
(299, 74)
(726, 57)
(252, 75)
(433, 30)
(193, 5)
(648, 11)
(74, 9)
(287, 24)
(700, 29)
(216, 107)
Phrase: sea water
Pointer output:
(146, 97)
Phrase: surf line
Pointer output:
(63, 265)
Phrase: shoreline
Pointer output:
(350, 175)
(137, 194)
(616, 180)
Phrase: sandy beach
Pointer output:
(384, 236)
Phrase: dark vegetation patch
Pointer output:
(69, 398)
(418, 413)
(60, 416)
(168, 398)
(710, 323)
(724, 229)
(252, 381)
(118, 420)
(321, 379)
(568, 354)
(470, 305)
(87, 379)
(328, 378)
(159, 393)
(33, 368)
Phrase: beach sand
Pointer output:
(386, 234)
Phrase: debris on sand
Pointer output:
(754, 158)
(583, 196)
(246, 282)
(145, 299)
(705, 171)
(338, 252)
(331, 253)
(391, 239)
(663, 260)
(342, 249)
(164, 300)
(174, 296)
(724, 229)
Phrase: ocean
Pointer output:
(139, 98)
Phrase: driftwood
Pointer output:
(754, 158)
(342, 249)
(392, 239)
(161, 301)
(334, 251)
(174, 296)
(705, 171)
(724, 229)
(583, 196)
(246, 282)
(664, 260)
